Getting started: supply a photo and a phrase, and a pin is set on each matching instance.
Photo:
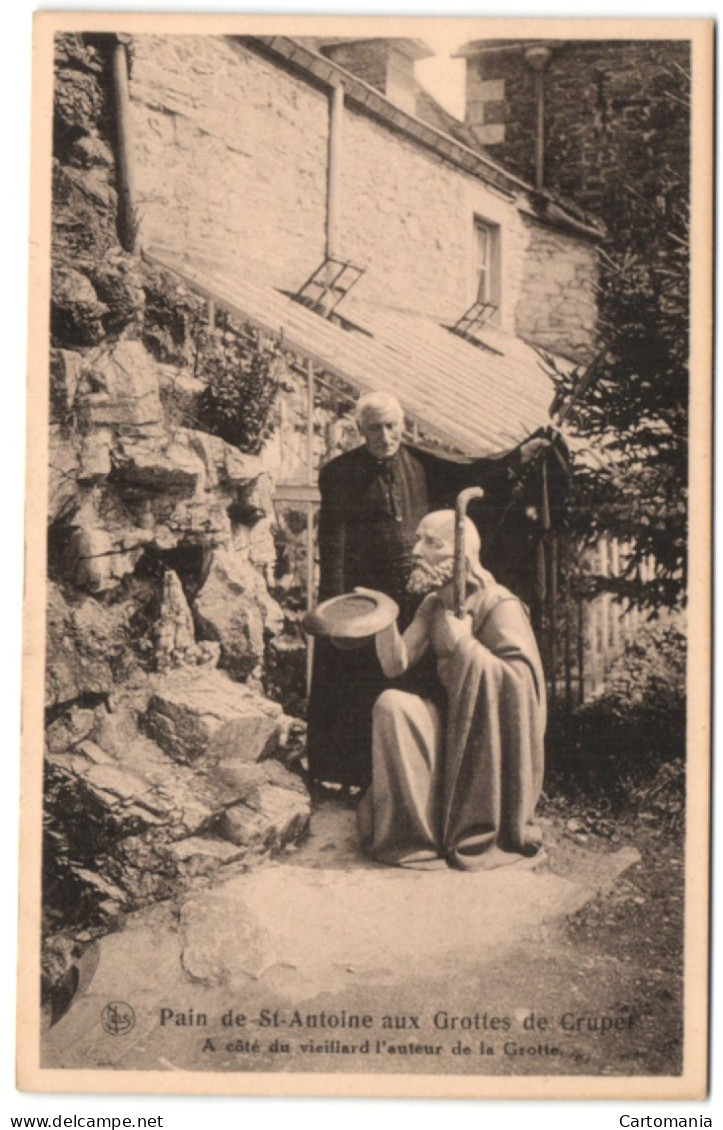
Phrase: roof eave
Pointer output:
(328, 73)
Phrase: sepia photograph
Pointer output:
(367, 645)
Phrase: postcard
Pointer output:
(366, 688)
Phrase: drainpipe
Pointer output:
(538, 57)
(127, 212)
(333, 187)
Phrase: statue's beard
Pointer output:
(426, 578)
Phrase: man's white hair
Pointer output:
(379, 402)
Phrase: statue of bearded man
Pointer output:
(456, 776)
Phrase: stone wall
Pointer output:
(565, 273)
(222, 161)
(600, 111)
(163, 753)
(231, 156)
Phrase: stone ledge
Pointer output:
(198, 713)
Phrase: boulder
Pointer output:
(95, 460)
(96, 187)
(87, 559)
(258, 494)
(128, 547)
(235, 607)
(121, 387)
(78, 99)
(262, 553)
(115, 731)
(204, 855)
(83, 229)
(113, 773)
(274, 809)
(143, 868)
(175, 637)
(118, 283)
(129, 802)
(91, 150)
(201, 712)
(226, 466)
(76, 312)
(180, 394)
(243, 779)
(140, 792)
(158, 465)
(202, 519)
(70, 728)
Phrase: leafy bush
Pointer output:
(240, 368)
(628, 743)
(242, 376)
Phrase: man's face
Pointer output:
(433, 557)
(382, 431)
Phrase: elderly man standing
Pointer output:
(372, 499)
(457, 775)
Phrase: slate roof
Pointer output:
(480, 401)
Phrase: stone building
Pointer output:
(308, 198)
(312, 188)
(275, 155)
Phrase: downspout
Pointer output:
(334, 172)
(127, 210)
(538, 57)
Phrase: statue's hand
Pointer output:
(447, 631)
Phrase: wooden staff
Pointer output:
(460, 510)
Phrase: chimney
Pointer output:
(486, 109)
(387, 64)
(505, 104)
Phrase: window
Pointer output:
(486, 253)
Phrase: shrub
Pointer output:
(630, 739)
(241, 374)
(240, 368)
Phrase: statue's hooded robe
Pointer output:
(459, 780)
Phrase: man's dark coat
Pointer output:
(370, 510)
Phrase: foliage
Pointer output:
(242, 376)
(631, 483)
(627, 745)
(240, 368)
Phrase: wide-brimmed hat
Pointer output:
(352, 619)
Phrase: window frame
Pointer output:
(492, 268)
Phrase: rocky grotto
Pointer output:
(166, 762)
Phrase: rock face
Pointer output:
(159, 767)
(235, 608)
(204, 713)
(269, 817)
(85, 642)
(150, 824)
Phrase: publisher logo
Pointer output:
(118, 1018)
